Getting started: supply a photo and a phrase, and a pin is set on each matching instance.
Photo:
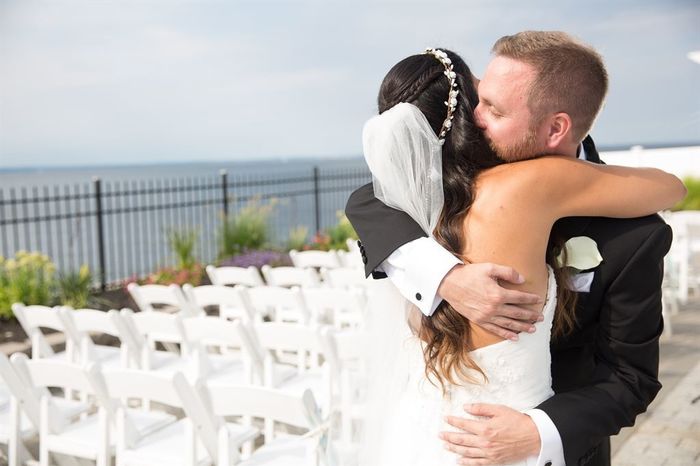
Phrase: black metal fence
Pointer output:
(119, 228)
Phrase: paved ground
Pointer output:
(669, 433)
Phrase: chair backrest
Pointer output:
(34, 318)
(89, 320)
(278, 302)
(286, 337)
(150, 297)
(317, 259)
(128, 334)
(19, 387)
(343, 347)
(297, 410)
(344, 277)
(249, 276)
(171, 390)
(344, 307)
(351, 259)
(126, 384)
(40, 375)
(332, 298)
(290, 276)
(212, 331)
(156, 326)
(231, 301)
(50, 373)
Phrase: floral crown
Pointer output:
(451, 101)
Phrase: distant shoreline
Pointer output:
(216, 164)
(201, 163)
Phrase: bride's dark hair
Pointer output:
(420, 80)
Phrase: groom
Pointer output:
(539, 91)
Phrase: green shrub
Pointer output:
(692, 199)
(28, 278)
(247, 230)
(74, 288)
(297, 238)
(340, 233)
(182, 243)
(334, 237)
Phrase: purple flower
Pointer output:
(257, 259)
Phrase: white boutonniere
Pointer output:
(581, 253)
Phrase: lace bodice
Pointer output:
(518, 375)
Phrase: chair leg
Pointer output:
(103, 452)
(44, 431)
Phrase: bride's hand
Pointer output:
(474, 292)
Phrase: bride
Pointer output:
(429, 159)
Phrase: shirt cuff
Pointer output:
(552, 449)
(417, 268)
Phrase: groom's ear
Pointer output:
(558, 130)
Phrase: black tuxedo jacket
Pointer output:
(605, 372)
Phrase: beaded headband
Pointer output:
(451, 101)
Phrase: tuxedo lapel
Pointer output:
(575, 226)
(591, 151)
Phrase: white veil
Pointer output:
(405, 158)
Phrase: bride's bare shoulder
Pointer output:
(522, 180)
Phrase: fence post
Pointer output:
(224, 191)
(100, 231)
(317, 201)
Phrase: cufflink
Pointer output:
(418, 296)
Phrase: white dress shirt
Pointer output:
(417, 269)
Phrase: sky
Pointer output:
(97, 82)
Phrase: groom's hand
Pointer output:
(473, 290)
(502, 436)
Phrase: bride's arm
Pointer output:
(577, 188)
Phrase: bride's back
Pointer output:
(504, 226)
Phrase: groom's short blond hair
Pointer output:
(570, 76)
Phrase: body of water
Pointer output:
(57, 211)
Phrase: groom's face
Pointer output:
(503, 113)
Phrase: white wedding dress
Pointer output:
(405, 412)
(518, 376)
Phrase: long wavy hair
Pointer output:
(420, 80)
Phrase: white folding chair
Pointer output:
(344, 277)
(316, 259)
(290, 276)
(278, 303)
(85, 436)
(298, 411)
(16, 427)
(340, 307)
(345, 352)
(167, 298)
(34, 318)
(230, 367)
(249, 276)
(351, 259)
(353, 245)
(232, 304)
(150, 328)
(173, 444)
(301, 344)
(92, 321)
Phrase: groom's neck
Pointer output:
(568, 149)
